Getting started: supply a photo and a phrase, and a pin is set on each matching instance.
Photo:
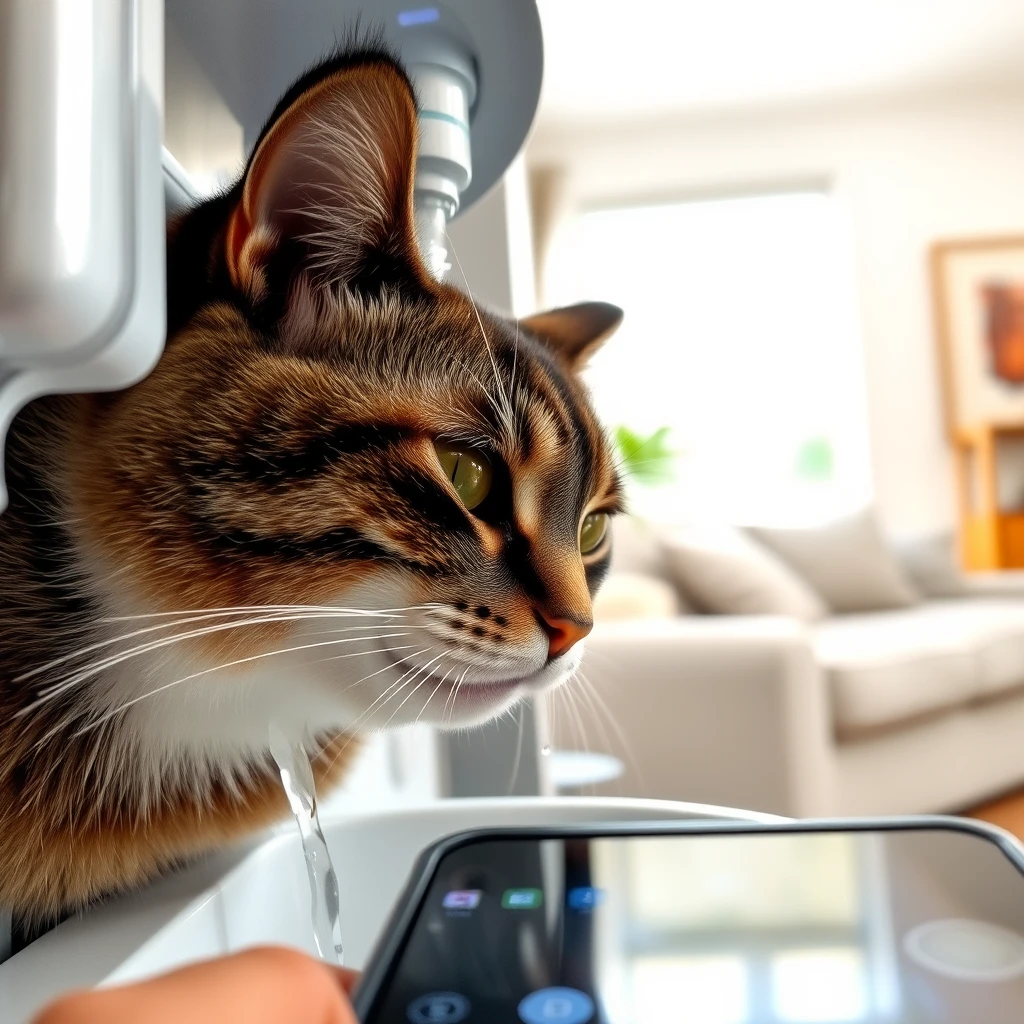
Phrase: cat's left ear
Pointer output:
(328, 188)
(575, 333)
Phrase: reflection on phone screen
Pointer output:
(885, 926)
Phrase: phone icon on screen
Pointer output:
(586, 897)
(438, 1008)
(522, 899)
(462, 899)
(558, 1005)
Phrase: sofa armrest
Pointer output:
(718, 709)
(995, 584)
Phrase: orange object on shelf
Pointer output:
(991, 538)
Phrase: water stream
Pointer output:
(297, 780)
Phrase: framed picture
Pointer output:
(979, 311)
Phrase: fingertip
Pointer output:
(346, 978)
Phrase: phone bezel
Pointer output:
(384, 958)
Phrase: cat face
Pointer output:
(331, 429)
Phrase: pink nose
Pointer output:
(562, 633)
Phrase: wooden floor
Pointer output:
(1006, 812)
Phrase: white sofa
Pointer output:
(911, 710)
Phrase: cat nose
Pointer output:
(562, 633)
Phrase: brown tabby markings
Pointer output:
(282, 454)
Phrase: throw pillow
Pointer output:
(636, 547)
(930, 563)
(632, 595)
(846, 562)
(728, 573)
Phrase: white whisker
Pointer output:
(454, 696)
(425, 669)
(426, 703)
(223, 665)
(507, 414)
(248, 608)
(599, 705)
(271, 613)
(519, 755)
(52, 693)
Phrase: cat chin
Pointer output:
(475, 702)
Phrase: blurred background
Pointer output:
(758, 185)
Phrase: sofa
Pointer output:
(910, 700)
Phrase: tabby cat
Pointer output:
(345, 499)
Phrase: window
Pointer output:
(820, 985)
(708, 989)
(740, 335)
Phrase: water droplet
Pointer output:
(545, 750)
(297, 780)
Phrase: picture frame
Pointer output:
(978, 294)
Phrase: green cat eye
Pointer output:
(468, 470)
(592, 531)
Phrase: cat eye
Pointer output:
(592, 531)
(468, 470)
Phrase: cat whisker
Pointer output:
(577, 727)
(453, 696)
(507, 413)
(351, 730)
(51, 692)
(518, 756)
(249, 608)
(425, 669)
(426, 703)
(491, 400)
(391, 691)
(597, 703)
(355, 629)
(138, 649)
(584, 695)
(216, 668)
(191, 634)
(515, 361)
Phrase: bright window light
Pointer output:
(708, 989)
(819, 985)
(741, 335)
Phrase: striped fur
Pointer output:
(176, 558)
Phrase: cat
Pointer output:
(346, 499)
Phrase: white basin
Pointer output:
(259, 894)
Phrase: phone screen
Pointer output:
(915, 925)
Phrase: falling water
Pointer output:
(297, 779)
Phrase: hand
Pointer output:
(269, 985)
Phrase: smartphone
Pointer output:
(891, 920)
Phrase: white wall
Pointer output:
(908, 173)
(492, 255)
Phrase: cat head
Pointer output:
(330, 427)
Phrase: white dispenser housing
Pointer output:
(84, 178)
(259, 894)
(81, 198)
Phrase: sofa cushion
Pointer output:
(726, 572)
(886, 667)
(846, 562)
(999, 642)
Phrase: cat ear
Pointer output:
(575, 333)
(328, 188)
